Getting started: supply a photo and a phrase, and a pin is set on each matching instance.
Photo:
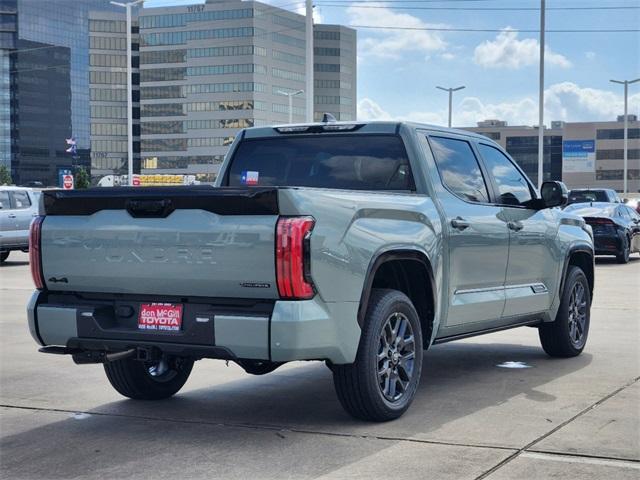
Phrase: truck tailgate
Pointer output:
(191, 241)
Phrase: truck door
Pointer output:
(476, 237)
(532, 272)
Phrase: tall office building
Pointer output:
(44, 45)
(334, 71)
(208, 70)
(108, 94)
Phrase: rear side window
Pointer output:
(459, 168)
(20, 199)
(352, 162)
(4, 201)
(513, 187)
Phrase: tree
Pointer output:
(82, 179)
(5, 176)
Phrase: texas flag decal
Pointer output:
(249, 178)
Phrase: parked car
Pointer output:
(581, 195)
(357, 244)
(18, 206)
(616, 227)
(634, 203)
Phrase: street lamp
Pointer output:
(626, 84)
(291, 95)
(128, 6)
(451, 90)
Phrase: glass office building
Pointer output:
(47, 46)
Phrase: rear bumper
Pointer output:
(287, 330)
(607, 244)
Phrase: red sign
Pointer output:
(135, 181)
(67, 182)
(160, 316)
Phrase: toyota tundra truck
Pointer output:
(356, 244)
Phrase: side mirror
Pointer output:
(554, 194)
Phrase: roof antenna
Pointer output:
(328, 118)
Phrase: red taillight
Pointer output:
(292, 257)
(599, 221)
(35, 260)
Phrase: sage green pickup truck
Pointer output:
(356, 244)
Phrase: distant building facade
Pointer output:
(108, 94)
(208, 70)
(44, 47)
(521, 142)
(581, 154)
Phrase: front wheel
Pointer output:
(567, 335)
(382, 382)
(149, 380)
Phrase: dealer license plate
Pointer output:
(160, 316)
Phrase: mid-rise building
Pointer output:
(208, 70)
(521, 142)
(108, 94)
(581, 154)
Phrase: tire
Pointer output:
(132, 378)
(567, 335)
(364, 393)
(4, 256)
(623, 256)
(258, 367)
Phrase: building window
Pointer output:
(223, 123)
(280, 108)
(162, 74)
(325, 35)
(332, 100)
(288, 57)
(225, 87)
(178, 38)
(326, 51)
(332, 84)
(107, 111)
(170, 91)
(104, 60)
(108, 94)
(108, 77)
(107, 43)
(633, 174)
(163, 144)
(617, 133)
(109, 129)
(111, 146)
(158, 128)
(617, 154)
(221, 106)
(288, 40)
(287, 75)
(163, 56)
(210, 142)
(108, 26)
(226, 69)
(225, 51)
(162, 110)
(181, 19)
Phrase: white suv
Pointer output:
(17, 207)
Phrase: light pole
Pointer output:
(128, 6)
(308, 71)
(451, 90)
(626, 84)
(541, 99)
(291, 95)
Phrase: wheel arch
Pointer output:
(583, 257)
(409, 271)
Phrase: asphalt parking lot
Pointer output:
(575, 418)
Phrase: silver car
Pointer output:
(18, 206)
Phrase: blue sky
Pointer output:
(398, 70)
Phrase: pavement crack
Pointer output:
(526, 448)
(279, 429)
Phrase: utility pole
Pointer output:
(541, 100)
(309, 59)
(451, 90)
(626, 84)
(291, 95)
(127, 7)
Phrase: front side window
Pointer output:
(21, 199)
(4, 201)
(459, 168)
(513, 187)
(353, 162)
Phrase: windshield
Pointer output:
(353, 162)
(584, 196)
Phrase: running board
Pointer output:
(460, 336)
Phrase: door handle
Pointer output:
(459, 223)
(515, 226)
(11, 215)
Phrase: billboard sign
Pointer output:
(578, 156)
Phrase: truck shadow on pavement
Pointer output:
(458, 381)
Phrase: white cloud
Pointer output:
(507, 51)
(391, 44)
(563, 101)
(447, 56)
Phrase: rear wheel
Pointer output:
(4, 256)
(567, 335)
(382, 382)
(149, 380)
(623, 256)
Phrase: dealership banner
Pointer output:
(579, 156)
